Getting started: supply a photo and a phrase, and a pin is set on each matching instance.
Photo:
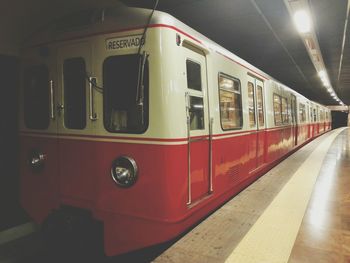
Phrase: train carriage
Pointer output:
(148, 134)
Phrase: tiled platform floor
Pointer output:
(324, 234)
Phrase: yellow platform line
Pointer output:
(272, 237)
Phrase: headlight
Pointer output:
(124, 171)
(36, 159)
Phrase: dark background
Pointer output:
(11, 214)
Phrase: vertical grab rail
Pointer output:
(52, 100)
(187, 97)
(92, 113)
(211, 155)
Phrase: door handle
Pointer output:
(92, 113)
(52, 101)
(60, 108)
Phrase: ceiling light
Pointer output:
(302, 21)
(322, 74)
(326, 83)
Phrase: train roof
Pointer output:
(96, 21)
(113, 19)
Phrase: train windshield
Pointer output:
(122, 111)
(36, 97)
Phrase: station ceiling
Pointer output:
(259, 31)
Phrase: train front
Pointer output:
(92, 143)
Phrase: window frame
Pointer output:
(287, 120)
(302, 112)
(258, 87)
(253, 106)
(25, 103)
(220, 73)
(194, 97)
(280, 108)
(147, 89)
(200, 71)
(84, 97)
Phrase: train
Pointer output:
(146, 127)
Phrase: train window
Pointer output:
(321, 116)
(122, 111)
(74, 76)
(285, 116)
(277, 109)
(194, 80)
(311, 116)
(260, 104)
(36, 97)
(302, 112)
(196, 113)
(230, 103)
(314, 115)
(251, 104)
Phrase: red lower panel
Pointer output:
(199, 163)
(303, 133)
(261, 149)
(154, 209)
(39, 187)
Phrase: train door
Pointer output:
(294, 120)
(260, 112)
(311, 123)
(199, 181)
(76, 121)
(38, 155)
(318, 122)
(256, 107)
(314, 122)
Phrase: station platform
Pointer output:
(297, 212)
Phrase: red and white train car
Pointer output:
(147, 141)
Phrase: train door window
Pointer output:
(196, 113)
(74, 76)
(302, 113)
(194, 80)
(230, 102)
(36, 97)
(277, 109)
(196, 107)
(285, 117)
(311, 116)
(125, 105)
(260, 105)
(314, 110)
(321, 116)
(251, 104)
(293, 109)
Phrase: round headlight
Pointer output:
(124, 171)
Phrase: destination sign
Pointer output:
(123, 42)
